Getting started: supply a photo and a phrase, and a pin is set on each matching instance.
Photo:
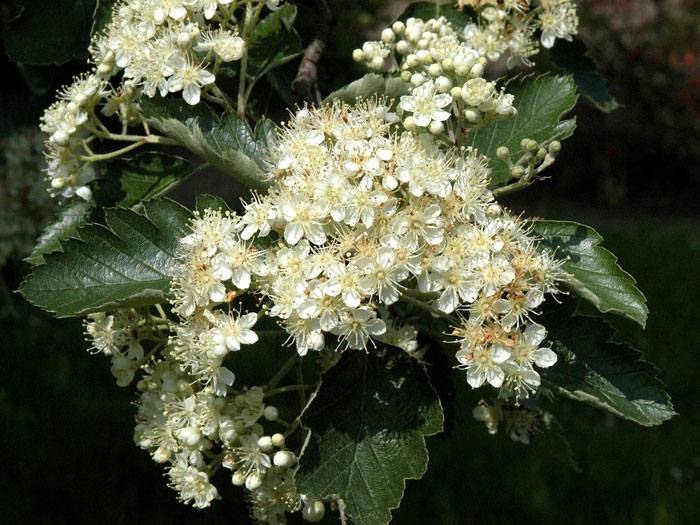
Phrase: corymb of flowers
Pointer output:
(362, 217)
(372, 239)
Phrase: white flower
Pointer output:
(188, 78)
(426, 103)
(357, 326)
(483, 364)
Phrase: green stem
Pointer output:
(288, 388)
(286, 368)
(510, 188)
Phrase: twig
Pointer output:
(306, 83)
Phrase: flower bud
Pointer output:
(265, 443)
(471, 115)
(447, 64)
(358, 55)
(417, 79)
(503, 153)
(493, 211)
(398, 27)
(541, 154)
(60, 138)
(189, 435)
(58, 183)
(161, 455)
(456, 92)
(517, 172)
(461, 70)
(271, 413)
(528, 145)
(403, 47)
(253, 481)
(436, 127)
(442, 84)
(284, 458)
(412, 60)
(278, 440)
(409, 124)
(377, 63)
(477, 70)
(388, 36)
(554, 147)
(184, 39)
(434, 70)
(313, 511)
(406, 76)
(238, 478)
(423, 44)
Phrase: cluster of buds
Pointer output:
(444, 72)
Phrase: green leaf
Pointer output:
(149, 175)
(606, 375)
(52, 32)
(369, 86)
(274, 42)
(541, 103)
(427, 10)
(102, 16)
(572, 57)
(204, 201)
(227, 143)
(596, 275)
(368, 421)
(129, 263)
(69, 219)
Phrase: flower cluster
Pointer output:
(195, 428)
(150, 47)
(445, 73)
(510, 25)
(25, 206)
(360, 218)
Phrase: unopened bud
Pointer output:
(398, 27)
(238, 478)
(58, 183)
(434, 70)
(417, 79)
(409, 124)
(517, 172)
(493, 211)
(271, 413)
(265, 443)
(184, 39)
(358, 55)
(442, 84)
(471, 115)
(406, 76)
(253, 481)
(388, 36)
(503, 153)
(314, 511)
(554, 147)
(436, 127)
(528, 145)
(278, 440)
(447, 64)
(284, 458)
(541, 154)
(477, 70)
(403, 47)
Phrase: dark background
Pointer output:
(67, 451)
